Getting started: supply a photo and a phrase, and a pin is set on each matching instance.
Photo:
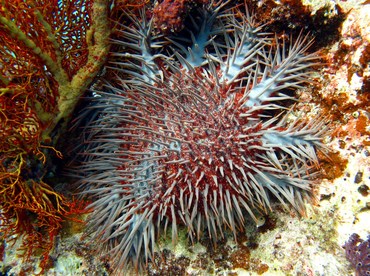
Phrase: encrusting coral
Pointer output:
(50, 51)
(169, 15)
(358, 253)
(194, 130)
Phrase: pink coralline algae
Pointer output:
(169, 15)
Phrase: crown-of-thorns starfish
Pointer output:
(183, 134)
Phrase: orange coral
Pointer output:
(33, 209)
(50, 51)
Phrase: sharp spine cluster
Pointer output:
(184, 135)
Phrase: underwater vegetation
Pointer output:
(49, 53)
(194, 129)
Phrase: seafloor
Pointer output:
(285, 244)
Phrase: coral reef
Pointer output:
(282, 243)
(321, 21)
